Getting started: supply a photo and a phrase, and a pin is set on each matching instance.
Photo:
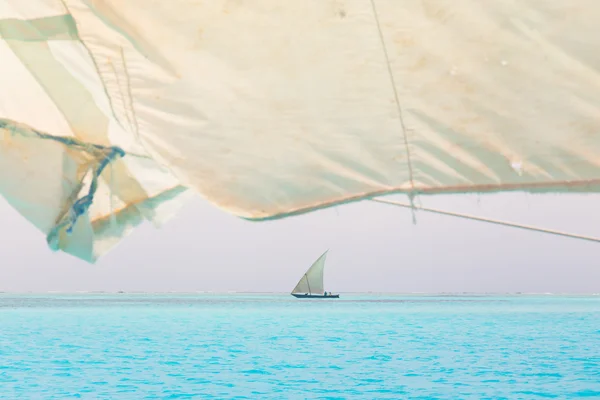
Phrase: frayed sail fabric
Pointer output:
(113, 112)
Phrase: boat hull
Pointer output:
(315, 296)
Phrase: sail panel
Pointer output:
(268, 108)
(498, 94)
(314, 275)
(413, 97)
(312, 281)
(261, 124)
(302, 286)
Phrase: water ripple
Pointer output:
(272, 347)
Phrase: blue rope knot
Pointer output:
(82, 205)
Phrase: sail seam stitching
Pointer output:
(136, 125)
(120, 90)
(396, 96)
(94, 61)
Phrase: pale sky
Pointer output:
(373, 247)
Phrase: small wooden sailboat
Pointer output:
(310, 285)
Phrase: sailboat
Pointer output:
(310, 286)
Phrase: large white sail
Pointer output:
(312, 281)
(114, 111)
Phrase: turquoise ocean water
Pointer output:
(276, 347)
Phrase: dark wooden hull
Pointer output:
(315, 296)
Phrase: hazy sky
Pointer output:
(373, 247)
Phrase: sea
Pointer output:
(273, 346)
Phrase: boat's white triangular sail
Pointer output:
(312, 281)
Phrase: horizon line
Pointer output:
(231, 292)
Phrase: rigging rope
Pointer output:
(489, 220)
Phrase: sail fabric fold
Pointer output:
(65, 162)
(270, 108)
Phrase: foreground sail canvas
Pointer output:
(113, 112)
